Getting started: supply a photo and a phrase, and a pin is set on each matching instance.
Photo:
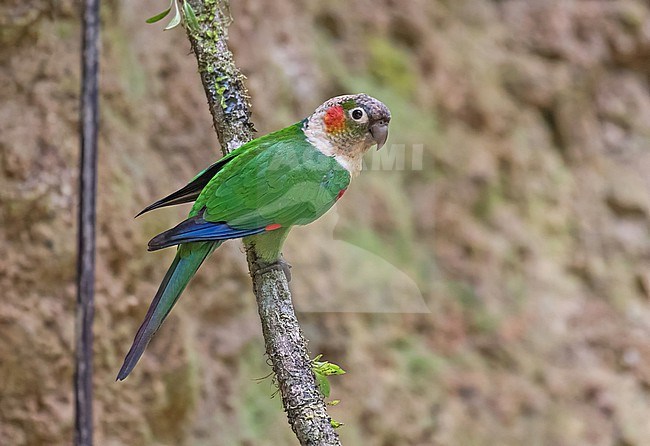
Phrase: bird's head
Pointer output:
(345, 127)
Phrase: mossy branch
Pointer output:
(229, 105)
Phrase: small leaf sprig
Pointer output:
(322, 370)
(188, 15)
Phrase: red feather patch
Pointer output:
(334, 119)
(340, 194)
(273, 226)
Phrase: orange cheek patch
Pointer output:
(334, 119)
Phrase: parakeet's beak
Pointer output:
(379, 132)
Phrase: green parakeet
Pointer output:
(260, 190)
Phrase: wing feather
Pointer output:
(192, 190)
(279, 179)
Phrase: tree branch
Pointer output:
(229, 105)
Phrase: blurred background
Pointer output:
(516, 236)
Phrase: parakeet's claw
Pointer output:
(280, 265)
(286, 267)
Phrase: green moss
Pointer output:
(213, 64)
(391, 66)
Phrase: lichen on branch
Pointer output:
(223, 83)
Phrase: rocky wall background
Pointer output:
(517, 258)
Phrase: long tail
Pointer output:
(187, 261)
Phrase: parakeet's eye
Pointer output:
(359, 115)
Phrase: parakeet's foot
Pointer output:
(280, 264)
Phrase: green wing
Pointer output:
(284, 180)
(279, 180)
(192, 190)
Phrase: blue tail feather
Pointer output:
(187, 261)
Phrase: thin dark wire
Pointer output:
(86, 226)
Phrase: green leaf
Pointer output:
(327, 368)
(323, 384)
(190, 17)
(176, 20)
(159, 17)
(333, 369)
(336, 424)
(323, 369)
(162, 15)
